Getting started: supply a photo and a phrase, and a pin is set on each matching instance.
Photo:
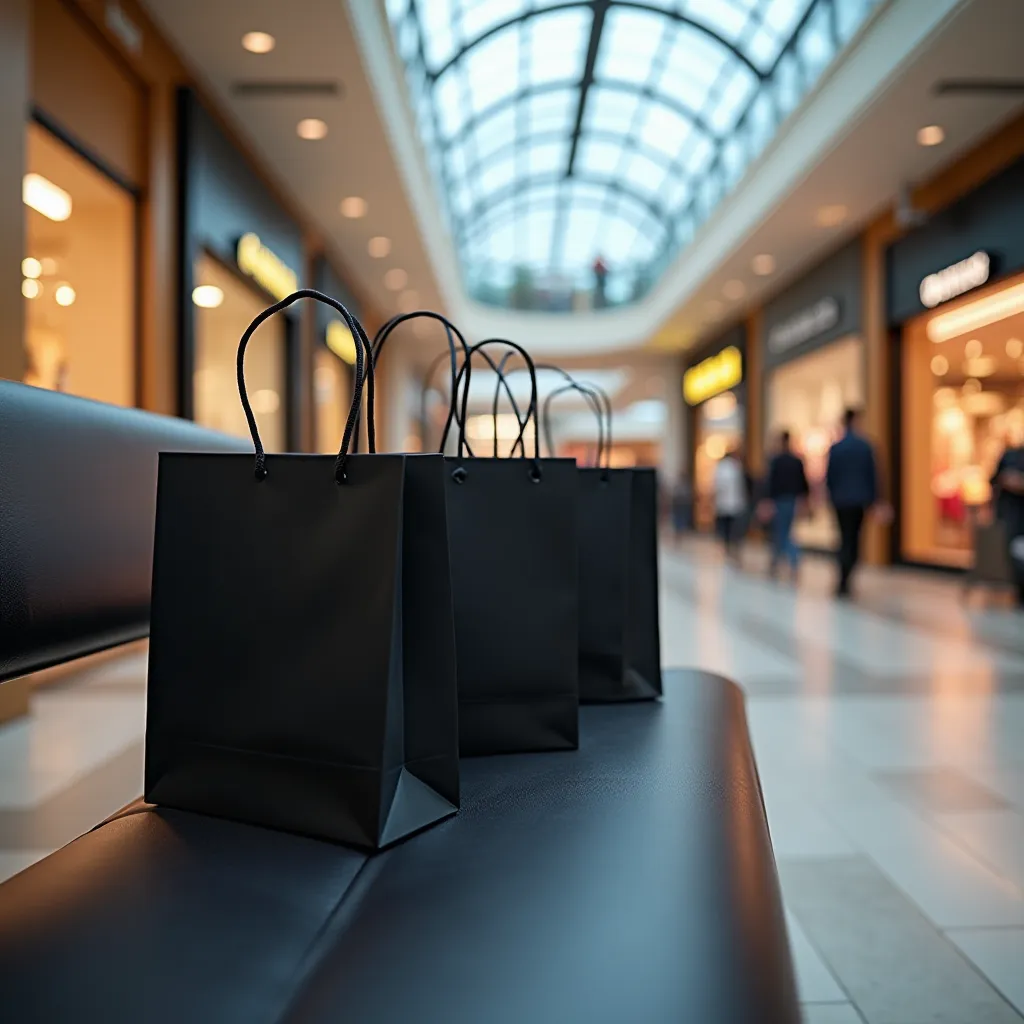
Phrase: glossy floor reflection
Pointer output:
(888, 736)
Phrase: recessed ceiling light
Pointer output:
(207, 296)
(1014, 348)
(31, 267)
(940, 366)
(395, 279)
(972, 350)
(31, 288)
(311, 128)
(258, 42)
(734, 289)
(44, 197)
(65, 295)
(831, 215)
(379, 247)
(409, 300)
(931, 135)
(763, 264)
(353, 207)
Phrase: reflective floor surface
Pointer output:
(888, 733)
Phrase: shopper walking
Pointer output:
(852, 483)
(730, 502)
(682, 507)
(1008, 487)
(787, 495)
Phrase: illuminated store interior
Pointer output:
(224, 307)
(78, 275)
(807, 397)
(963, 404)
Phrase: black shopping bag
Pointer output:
(512, 526)
(619, 639)
(302, 656)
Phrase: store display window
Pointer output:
(963, 404)
(225, 305)
(78, 275)
(719, 429)
(332, 397)
(807, 396)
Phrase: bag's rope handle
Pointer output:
(502, 382)
(364, 370)
(499, 370)
(595, 405)
(601, 393)
(465, 372)
(449, 329)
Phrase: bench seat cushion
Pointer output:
(632, 880)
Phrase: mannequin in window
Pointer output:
(47, 362)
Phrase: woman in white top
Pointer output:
(730, 501)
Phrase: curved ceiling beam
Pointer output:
(657, 156)
(676, 16)
(685, 112)
(520, 185)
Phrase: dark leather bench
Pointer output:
(631, 881)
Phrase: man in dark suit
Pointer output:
(852, 483)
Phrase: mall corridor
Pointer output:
(886, 733)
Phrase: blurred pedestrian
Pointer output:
(600, 269)
(731, 485)
(852, 483)
(1008, 487)
(787, 495)
(682, 506)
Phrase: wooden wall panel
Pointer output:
(14, 72)
(80, 82)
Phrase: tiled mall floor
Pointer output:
(890, 739)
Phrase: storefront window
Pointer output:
(963, 395)
(807, 397)
(720, 423)
(78, 275)
(224, 307)
(332, 395)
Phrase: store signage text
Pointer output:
(803, 326)
(265, 267)
(713, 375)
(955, 280)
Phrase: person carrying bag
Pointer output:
(302, 658)
(619, 638)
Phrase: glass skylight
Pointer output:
(567, 133)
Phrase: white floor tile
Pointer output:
(995, 837)
(66, 735)
(999, 955)
(814, 980)
(830, 1013)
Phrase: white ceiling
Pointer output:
(863, 152)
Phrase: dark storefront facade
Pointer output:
(813, 368)
(240, 252)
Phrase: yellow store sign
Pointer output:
(341, 342)
(265, 267)
(713, 375)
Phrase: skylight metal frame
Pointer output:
(755, 69)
